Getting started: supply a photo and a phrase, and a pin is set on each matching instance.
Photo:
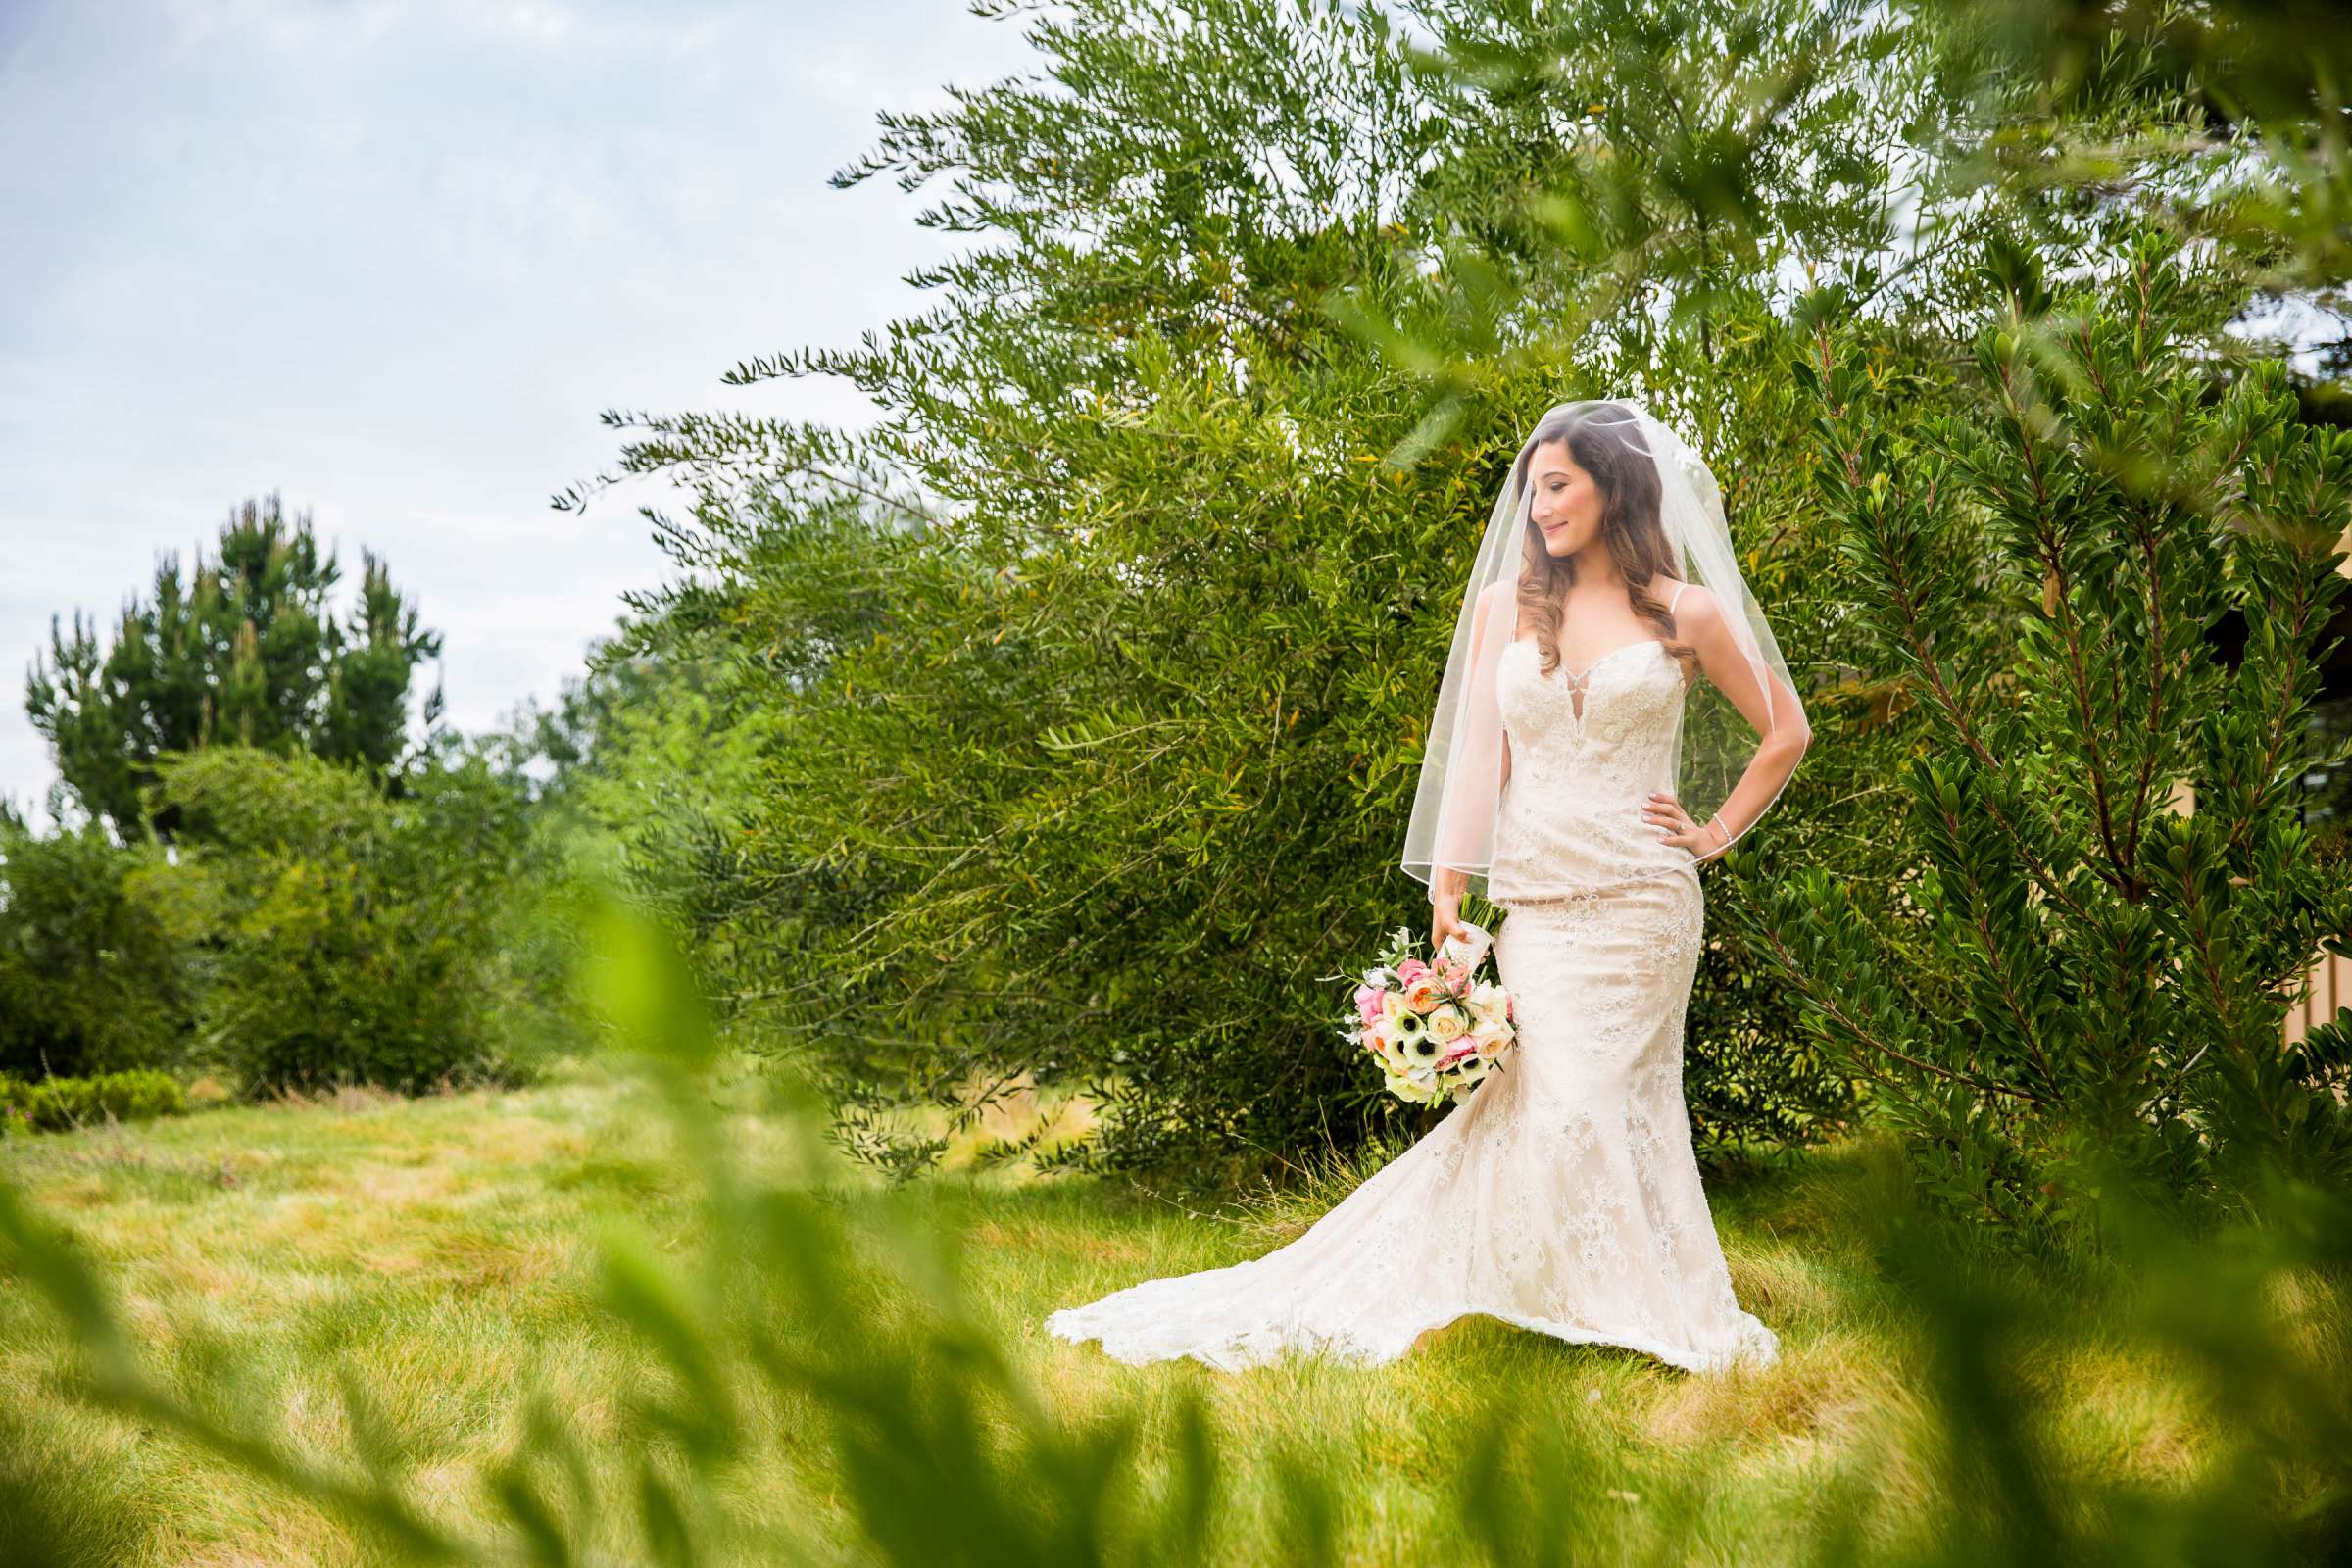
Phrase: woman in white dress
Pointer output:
(1608, 664)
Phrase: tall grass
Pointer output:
(643, 1313)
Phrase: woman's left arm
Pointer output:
(1780, 725)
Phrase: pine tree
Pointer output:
(242, 649)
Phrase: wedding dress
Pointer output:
(1563, 1195)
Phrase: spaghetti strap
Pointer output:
(1672, 596)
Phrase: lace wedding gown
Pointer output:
(1563, 1195)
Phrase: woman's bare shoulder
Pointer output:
(1496, 598)
(1696, 607)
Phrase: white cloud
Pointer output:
(392, 259)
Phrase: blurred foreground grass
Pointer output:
(445, 1251)
(642, 1313)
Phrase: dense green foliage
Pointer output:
(2076, 977)
(94, 976)
(1091, 684)
(270, 881)
(57, 1104)
(648, 755)
(243, 651)
(353, 937)
(1079, 701)
(308, 929)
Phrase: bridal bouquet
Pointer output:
(1436, 1028)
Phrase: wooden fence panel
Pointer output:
(2330, 989)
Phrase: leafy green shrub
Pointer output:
(1091, 767)
(2073, 964)
(361, 939)
(94, 976)
(58, 1105)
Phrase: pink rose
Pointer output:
(1410, 970)
(1458, 974)
(1367, 1002)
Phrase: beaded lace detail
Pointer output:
(1564, 1195)
(1586, 751)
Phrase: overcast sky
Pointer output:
(390, 259)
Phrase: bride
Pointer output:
(1608, 664)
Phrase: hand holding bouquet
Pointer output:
(1436, 1028)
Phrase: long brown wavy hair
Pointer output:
(1619, 461)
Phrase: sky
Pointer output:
(390, 259)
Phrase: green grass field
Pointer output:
(444, 1250)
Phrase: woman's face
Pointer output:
(1566, 505)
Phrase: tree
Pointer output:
(2074, 982)
(95, 971)
(1093, 679)
(244, 649)
(356, 936)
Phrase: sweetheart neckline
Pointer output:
(1579, 678)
